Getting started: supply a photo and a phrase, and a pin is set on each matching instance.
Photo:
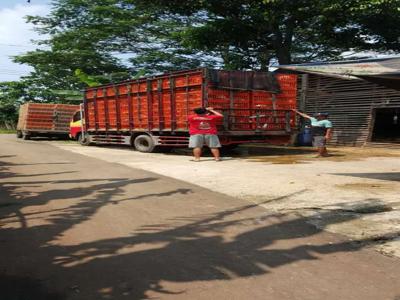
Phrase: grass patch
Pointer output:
(7, 131)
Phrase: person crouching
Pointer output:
(203, 131)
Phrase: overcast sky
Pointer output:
(16, 34)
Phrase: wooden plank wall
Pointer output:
(350, 104)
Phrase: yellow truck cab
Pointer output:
(75, 126)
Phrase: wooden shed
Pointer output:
(362, 98)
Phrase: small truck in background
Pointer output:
(45, 120)
(152, 112)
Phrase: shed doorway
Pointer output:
(386, 125)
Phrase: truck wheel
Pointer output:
(26, 136)
(19, 134)
(83, 139)
(229, 148)
(144, 143)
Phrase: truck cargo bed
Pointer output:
(43, 119)
(255, 105)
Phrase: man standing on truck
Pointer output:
(321, 129)
(203, 130)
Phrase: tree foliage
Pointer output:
(12, 94)
(247, 33)
(100, 41)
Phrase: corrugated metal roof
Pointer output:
(385, 71)
(366, 67)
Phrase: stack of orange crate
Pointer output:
(287, 98)
(45, 117)
(187, 94)
(257, 100)
(152, 109)
(63, 116)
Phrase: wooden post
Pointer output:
(106, 114)
(130, 112)
(161, 121)
(117, 108)
(149, 90)
(173, 104)
(96, 117)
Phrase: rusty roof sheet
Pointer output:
(351, 69)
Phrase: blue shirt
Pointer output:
(323, 123)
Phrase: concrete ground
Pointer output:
(80, 227)
(364, 183)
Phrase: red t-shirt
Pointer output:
(204, 124)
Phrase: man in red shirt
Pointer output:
(203, 130)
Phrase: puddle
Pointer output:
(299, 159)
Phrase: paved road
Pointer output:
(344, 183)
(74, 227)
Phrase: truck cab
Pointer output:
(75, 126)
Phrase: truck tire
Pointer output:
(144, 143)
(19, 134)
(83, 139)
(26, 136)
(229, 148)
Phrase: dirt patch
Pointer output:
(372, 209)
(302, 155)
(278, 154)
(281, 160)
(365, 186)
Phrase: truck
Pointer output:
(44, 119)
(152, 112)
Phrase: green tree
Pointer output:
(376, 21)
(247, 33)
(70, 51)
(12, 94)
(111, 40)
(56, 69)
(146, 39)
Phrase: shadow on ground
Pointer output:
(389, 176)
(21, 288)
(242, 150)
(185, 249)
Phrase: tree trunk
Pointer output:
(284, 55)
(264, 57)
(283, 43)
(226, 58)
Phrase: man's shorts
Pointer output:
(319, 141)
(199, 140)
